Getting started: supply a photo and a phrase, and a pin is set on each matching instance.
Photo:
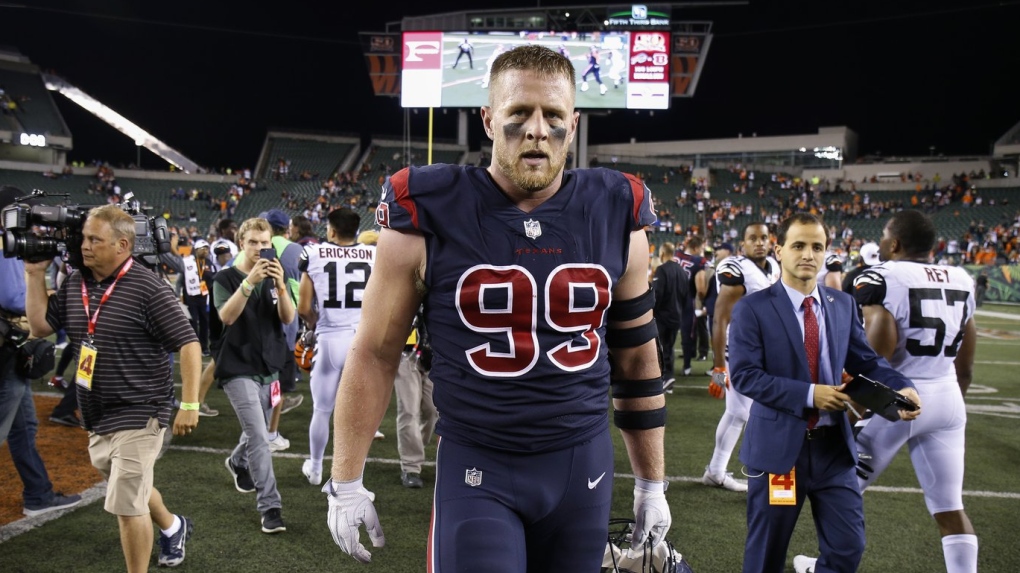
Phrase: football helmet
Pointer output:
(304, 350)
(620, 557)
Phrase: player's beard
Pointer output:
(532, 179)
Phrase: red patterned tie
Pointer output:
(811, 349)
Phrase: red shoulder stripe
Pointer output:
(402, 194)
(637, 191)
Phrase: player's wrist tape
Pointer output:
(650, 486)
(640, 420)
(633, 308)
(189, 405)
(632, 337)
(636, 388)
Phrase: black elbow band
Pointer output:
(640, 420)
(636, 307)
(637, 388)
(632, 337)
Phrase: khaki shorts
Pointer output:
(126, 459)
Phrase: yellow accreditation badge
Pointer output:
(783, 488)
(86, 365)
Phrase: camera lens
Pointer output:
(30, 247)
(10, 244)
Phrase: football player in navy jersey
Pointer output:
(530, 276)
(693, 261)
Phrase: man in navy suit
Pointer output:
(798, 442)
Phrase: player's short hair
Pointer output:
(914, 230)
(743, 233)
(122, 224)
(344, 222)
(254, 224)
(694, 243)
(223, 225)
(801, 219)
(667, 248)
(533, 58)
(303, 225)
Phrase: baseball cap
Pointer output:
(200, 244)
(869, 253)
(277, 218)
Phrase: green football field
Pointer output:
(708, 524)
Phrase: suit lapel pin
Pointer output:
(828, 298)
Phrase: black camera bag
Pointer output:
(35, 358)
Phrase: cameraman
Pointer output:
(124, 320)
(17, 409)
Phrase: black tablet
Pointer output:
(878, 397)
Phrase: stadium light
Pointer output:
(32, 139)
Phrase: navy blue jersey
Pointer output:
(516, 302)
(692, 264)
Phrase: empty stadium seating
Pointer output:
(37, 113)
(320, 158)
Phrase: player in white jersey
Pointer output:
(920, 317)
(617, 64)
(831, 274)
(333, 277)
(735, 276)
(499, 49)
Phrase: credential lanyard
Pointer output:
(85, 297)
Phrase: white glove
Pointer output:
(651, 512)
(349, 508)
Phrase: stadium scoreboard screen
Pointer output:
(619, 69)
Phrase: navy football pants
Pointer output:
(524, 513)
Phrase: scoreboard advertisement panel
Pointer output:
(614, 69)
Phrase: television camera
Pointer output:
(64, 222)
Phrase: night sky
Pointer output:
(209, 78)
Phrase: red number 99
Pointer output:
(565, 289)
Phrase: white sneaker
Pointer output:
(314, 477)
(727, 481)
(279, 443)
(379, 435)
(603, 89)
(804, 564)
(584, 86)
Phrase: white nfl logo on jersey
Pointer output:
(532, 228)
(473, 477)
